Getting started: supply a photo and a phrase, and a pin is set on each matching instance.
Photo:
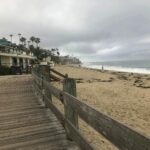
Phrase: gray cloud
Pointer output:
(93, 30)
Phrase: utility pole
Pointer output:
(11, 37)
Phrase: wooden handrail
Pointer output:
(75, 134)
(58, 73)
(53, 77)
(116, 132)
(119, 134)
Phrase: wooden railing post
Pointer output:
(69, 86)
(45, 72)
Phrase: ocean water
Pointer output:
(134, 66)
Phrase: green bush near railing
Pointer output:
(4, 70)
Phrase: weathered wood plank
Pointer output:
(12, 134)
(56, 92)
(19, 109)
(29, 129)
(46, 144)
(58, 73)
(15, 115)
(75, 135)
(54, 77)
(55, 110)
(24, 121)
(40, 140)
(32, 135)
(69, 86)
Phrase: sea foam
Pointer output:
(118, 68)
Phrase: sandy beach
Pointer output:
(123, 96)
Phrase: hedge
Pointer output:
(4, 70)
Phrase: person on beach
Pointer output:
(102, 68)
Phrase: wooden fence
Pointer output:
(117, 133)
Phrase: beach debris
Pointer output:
(123, 77)
(79, 80)
(131, 74)
(97, 80)
(138, 81)
(143, 86)
(100, 80)
(89, 81)
(111, 78)
(137, 77)
(106, 80)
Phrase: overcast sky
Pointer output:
(94, 30)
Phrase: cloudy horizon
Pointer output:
(96, 30)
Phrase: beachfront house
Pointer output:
(12, 56)
(69, 60)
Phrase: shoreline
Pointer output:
(138, 70)
(109, 71)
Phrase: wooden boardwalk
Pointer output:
(25, 124)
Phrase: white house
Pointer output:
(14, 57)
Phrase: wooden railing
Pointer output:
(117, 133)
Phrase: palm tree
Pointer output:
(58, 53)
(23, 40)
(32, 39)
(55, 51)
(19, 34)
(11, 37)
(37, 41)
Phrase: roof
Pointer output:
(4, 41)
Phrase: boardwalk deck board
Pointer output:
(25, 123)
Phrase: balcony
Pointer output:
(15, 53)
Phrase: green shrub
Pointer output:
(4, 70)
